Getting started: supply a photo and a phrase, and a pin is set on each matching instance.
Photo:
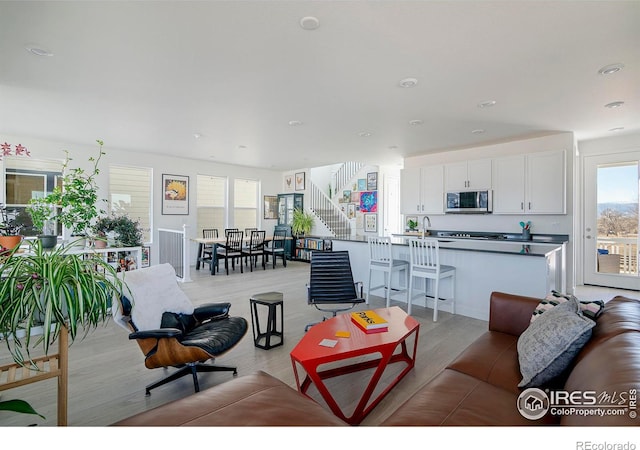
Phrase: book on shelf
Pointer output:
(369, 321)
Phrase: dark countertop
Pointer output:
(511, 247)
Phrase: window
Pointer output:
(130, 194)
(211, 203)
(27, 179)
(245, 213)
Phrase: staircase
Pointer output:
(345, 174)
(331, 215)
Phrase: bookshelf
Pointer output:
(308, 244)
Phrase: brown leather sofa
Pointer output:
(478, 388)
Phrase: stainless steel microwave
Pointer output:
(473, 202)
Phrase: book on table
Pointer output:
(369, 321)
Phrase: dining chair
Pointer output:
(255, 248)
(277, 247)
(424, 262)
(207, 249)
(232, 249)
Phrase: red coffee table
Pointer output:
(310, 355)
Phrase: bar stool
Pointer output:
(381, 259)
(271, 300)
(424, 255)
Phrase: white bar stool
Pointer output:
(424, 257)
(381, 259)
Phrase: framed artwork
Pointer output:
(351, 210)
(146, 256)
(288, 183)
(270, 206)
(300, 181)
(371, 222)
(369, 201)
(372, 181)
(346, 196)
(175, 194)
(355, 197)
(362, 184)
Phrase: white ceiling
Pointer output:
(146, 76)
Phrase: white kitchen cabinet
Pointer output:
(534, 183)
(422, 190)
(469, 175)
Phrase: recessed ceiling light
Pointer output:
(309, 23)
(610, 69)
(407, 82)
(614, 105)
(242, 147)
(616, 129)
(486, 104)
(364, 134)
(393, 147)
(197, 135)
(295, 123)
(415, 122)
(39, 51)
(477, 131)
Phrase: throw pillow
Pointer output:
(550, 343)
(590, 309)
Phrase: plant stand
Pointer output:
(49, 366)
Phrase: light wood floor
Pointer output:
(107, 376)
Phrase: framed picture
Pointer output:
(270, 206)
(175, 194)
(362, 184)
(355, 197)
(371, 222)
(346, 196)
(300, 181)
(288, 183)
(146, 256)
(372, 181)
(369, 201)
(351, 210)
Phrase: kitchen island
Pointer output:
(482, 266)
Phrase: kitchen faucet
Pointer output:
(424, 229)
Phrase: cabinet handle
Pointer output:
(423, 207)
(418, 208)
(522, 206)
(529, 206)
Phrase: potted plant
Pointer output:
(50, 290)
(43, 215)
(302, 222)
(10, 229)
(124, 231)
(74, 205)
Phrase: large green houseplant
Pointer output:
(124, 231)
(302, 222)
(43, 290)
(75, 204)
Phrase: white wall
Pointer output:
(271, 181)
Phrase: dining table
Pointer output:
(215, 242)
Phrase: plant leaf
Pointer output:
(19, 406)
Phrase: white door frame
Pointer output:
(590, 228)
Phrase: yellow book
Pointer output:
(369, 320)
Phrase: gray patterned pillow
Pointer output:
(547, 347)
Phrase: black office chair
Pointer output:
(187, 337)
(331, 287)
(277, 247)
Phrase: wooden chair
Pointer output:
(207, 249)
(232, 249)
(425, 263)
(277, 247)
(255, 248)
